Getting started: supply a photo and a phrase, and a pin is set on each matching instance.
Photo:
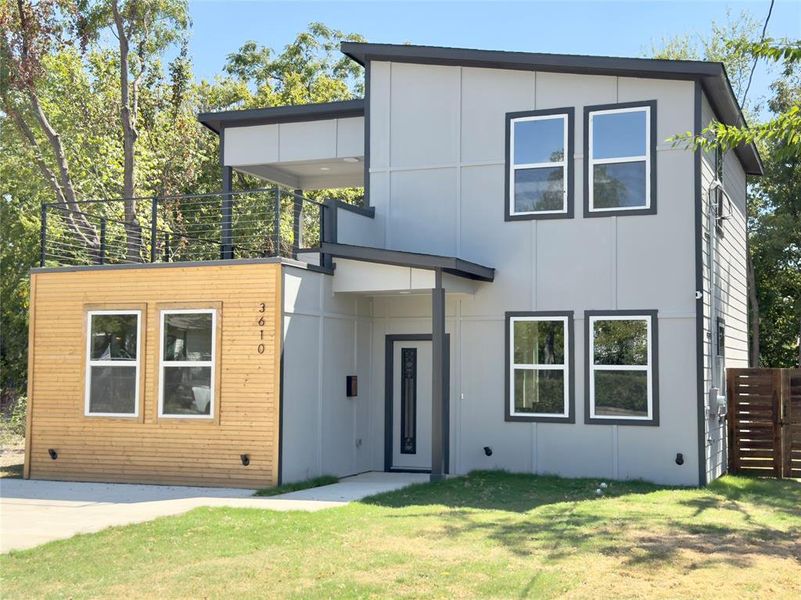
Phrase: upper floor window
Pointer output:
(539, 164)
(621, 365)
(112, 366)
(539, 366)
(620, 151)
(188, 358)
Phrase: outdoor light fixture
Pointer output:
(245, 458)
(53, 454)
(679, 459)
(487, 450)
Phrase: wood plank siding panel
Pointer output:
(150, 449)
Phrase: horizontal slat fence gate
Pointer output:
(791, 422)
(764, 421)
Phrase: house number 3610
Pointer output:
(262, 310)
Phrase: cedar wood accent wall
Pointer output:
(149, 449)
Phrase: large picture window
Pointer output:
(539, 164)
(188, 355)
(539, 366)
(112, 366)
(620, 146)
(621, 382)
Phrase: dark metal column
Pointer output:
(226, 241)
(439, 380)
(328, 229)
(297, 220)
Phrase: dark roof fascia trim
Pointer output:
(199, 263)
(531, 61)
(748, 154)
(282, 114)
(709, 73)
(448, 264)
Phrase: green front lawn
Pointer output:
(486, 535)
(298, 486)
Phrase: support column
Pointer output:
(439, 380)
(297, 221)
(227, 209)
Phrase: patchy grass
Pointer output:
(487, 535)
(11, 471)
(297, 486)
(12, 453)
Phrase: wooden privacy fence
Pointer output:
(764, 421)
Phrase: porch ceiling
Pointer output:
(311, 174)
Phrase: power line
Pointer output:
(756, 59)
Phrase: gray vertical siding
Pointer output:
(730, 294)
(326, 338)
(437, 183)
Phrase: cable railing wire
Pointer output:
(265, 222)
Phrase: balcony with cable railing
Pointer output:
(252, 224)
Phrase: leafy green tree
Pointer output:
(774, 213)
(775, 235)
(61, 74)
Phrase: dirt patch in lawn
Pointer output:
(12, 456)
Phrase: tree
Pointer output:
(774, 214)
(775, 235)
(31, 32)
(72, 65)
(783, 127)
(144, 31)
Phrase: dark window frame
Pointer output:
(651, 161)
(570, 380)
(654, 351)
(508, 200)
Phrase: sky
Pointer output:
(624, 28)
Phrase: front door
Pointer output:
(411, 405)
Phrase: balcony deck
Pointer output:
(252, 224)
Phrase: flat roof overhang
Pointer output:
(217, 121)
(415, 260)
(711, 75)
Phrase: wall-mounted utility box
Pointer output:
(352, 386)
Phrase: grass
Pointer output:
(487, 535)
(297, 486)
(11, 471)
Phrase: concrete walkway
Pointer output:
(34, 512)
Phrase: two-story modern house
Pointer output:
(538, 280)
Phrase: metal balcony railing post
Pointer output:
(102, 258)
(297, 219)
(43, 237)
(277, 220)
(154, 211)
(328, 227)
(227, 248)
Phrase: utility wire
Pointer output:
(756, 59)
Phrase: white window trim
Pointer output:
(112, 363)
(648, 368)
(189, 363)
(622, 159)
(514, 167)
(539, 367)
